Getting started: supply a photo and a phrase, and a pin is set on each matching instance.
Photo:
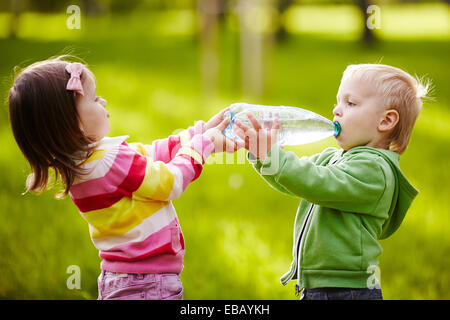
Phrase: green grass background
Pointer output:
(238, 230)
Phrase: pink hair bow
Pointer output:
(74, 84)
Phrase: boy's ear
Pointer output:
(389, 120)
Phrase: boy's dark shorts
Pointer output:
(341, 294)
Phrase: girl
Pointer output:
(123, 190)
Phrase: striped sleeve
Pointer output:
(166, 149)
(167, 181)
(137, 176)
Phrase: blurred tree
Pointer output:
(16, 7)
(282, 6)
(222, 8)
(48, 5)
(208, 11)
(91, 7)
(251, 22)
(122, 6)
(368, 36)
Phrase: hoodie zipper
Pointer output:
(297, 251)
(300, 240)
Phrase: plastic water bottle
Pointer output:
(297, 126)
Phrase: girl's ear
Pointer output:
(389, 120)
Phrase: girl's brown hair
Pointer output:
(45, 124)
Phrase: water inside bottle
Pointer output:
(295, 132)
(297, 126)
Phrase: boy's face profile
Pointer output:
(361, 113)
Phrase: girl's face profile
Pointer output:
(91, 110)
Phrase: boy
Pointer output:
(353, 196)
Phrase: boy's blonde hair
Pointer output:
(400, 91)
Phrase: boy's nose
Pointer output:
(337, 110)
(103, 102)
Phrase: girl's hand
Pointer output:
(216, 120)
(221, 142)
(258, 141)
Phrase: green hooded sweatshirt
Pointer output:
(349, 201)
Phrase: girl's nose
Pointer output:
(103, 102)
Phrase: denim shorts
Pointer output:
(341, 294)
(131, 286)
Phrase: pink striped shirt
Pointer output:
(126, 199)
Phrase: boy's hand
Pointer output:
(216, 120)
(221, 142)
(258, 141)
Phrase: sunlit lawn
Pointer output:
(238, 230)
(423, 20)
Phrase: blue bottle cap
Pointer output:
(337, 128)
(229, 129)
